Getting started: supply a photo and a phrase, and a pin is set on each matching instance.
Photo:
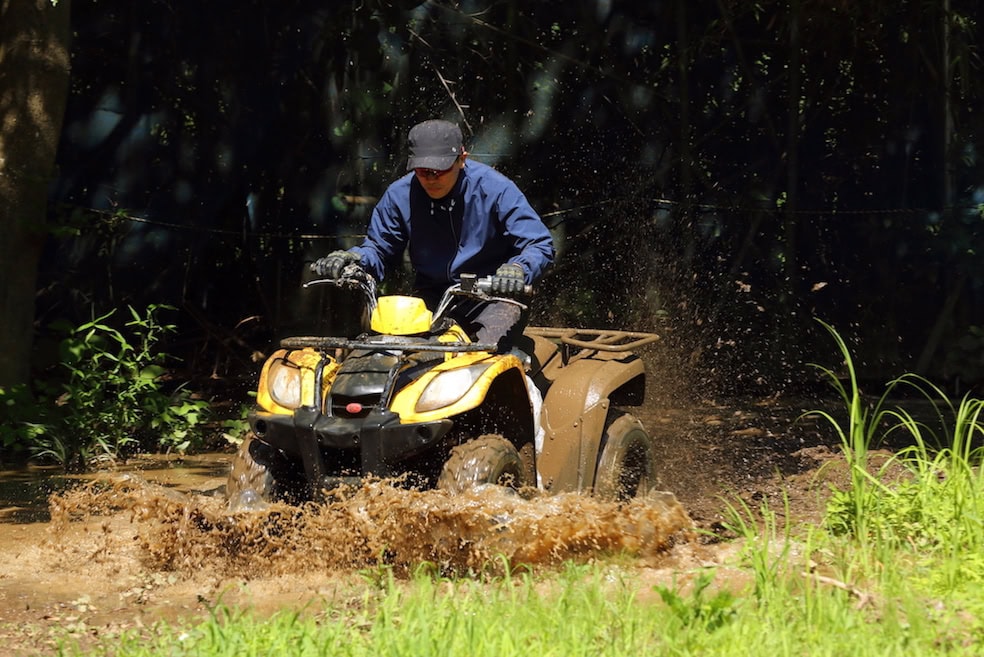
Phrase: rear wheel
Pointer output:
(250, 485)
(489, 459)
(627, 463)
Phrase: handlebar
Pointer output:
(354, 277)
(476, 288)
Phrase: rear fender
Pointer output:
(574, 412)
(471, 375)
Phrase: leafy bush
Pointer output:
(114, 397)
(235, 428)
(22, 420)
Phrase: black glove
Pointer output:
(331, 265)
(509, 280)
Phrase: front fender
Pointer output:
(405, 402)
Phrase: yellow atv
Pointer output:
(415, 397)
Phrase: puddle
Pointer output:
(24, 492)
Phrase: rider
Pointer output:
(455, 217)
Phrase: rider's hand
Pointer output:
(509, 280)
(331, 265)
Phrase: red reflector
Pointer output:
(353, 407)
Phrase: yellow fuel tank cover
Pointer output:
(400, 315)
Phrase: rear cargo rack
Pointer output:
(597, 339)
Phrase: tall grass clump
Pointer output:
(768, 543)
(851, 509)
(929, 497)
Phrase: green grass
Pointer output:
(586, 611)
(896, 569)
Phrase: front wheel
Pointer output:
(489, 459)
(627, 464)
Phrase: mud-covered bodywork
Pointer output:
(584, 374)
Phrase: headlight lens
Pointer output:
(448, 387)
(284, 383)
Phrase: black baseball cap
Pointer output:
(434, 144)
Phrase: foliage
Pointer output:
(113, 397)
(235, 428)
(696, 609)
(862, 426)
(22, 421)
(768, 543)
(934, 501)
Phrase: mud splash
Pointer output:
(375, 524)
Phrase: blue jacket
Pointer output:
(482, 223)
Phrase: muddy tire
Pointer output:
(627, 460)
(250, 485)
(489, 459)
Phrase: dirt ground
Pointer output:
(158, 544)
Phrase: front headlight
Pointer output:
(448, 387)
(284, 384)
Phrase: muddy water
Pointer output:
(370, 525)
(25, 492)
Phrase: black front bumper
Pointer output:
(331, 448)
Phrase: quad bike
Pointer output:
(416, 398)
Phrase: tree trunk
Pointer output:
(34, 73)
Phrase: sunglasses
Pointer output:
(434, 174)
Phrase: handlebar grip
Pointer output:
(484, 285)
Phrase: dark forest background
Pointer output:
(721, 172)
